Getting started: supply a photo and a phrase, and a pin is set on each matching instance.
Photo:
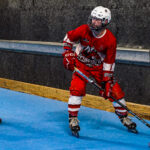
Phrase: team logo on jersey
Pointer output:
(89, 49)
(90, 56)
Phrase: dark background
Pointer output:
(49, 20)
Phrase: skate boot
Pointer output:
(126, 121)
(74, 126)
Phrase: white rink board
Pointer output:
(124, 55)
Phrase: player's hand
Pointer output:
(69, 59)
(107, 84)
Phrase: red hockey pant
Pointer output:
(78, 90)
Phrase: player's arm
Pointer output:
(69, 40)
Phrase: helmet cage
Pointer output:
(99, 13)
(98, 29)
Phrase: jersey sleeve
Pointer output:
(109, 61)
(73, 36)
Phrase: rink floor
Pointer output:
(35, 123)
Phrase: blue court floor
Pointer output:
(35, 123)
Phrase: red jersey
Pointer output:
(92, 50)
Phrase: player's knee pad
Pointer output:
(77, 92)
(78, 85)
(117, 92)
(77, 88)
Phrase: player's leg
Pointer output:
(118, 94)
(77, 91)
(121, 112)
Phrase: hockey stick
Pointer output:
(100, 88)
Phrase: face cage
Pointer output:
(97, 30)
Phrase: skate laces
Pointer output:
(126, 121)
(74, 121)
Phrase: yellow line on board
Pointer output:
(63, 95)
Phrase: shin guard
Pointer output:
(74, 104)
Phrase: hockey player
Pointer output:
(95, 56)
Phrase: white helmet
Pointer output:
(101, 13)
